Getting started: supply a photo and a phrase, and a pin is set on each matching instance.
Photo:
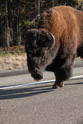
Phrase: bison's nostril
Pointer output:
(33, 70)
(36, 70)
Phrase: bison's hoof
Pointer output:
(55, 86)
(61, 85)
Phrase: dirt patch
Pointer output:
(14, 59)
(13, 62)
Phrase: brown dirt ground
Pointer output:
(13, 62)
(14, 59)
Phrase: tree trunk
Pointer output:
(56, 2)
(7, 28)
(18, 26)
(38, 11)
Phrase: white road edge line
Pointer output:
(35, 83)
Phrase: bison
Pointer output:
(55, 43)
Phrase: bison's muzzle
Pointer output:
(36, 73)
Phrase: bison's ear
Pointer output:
(24, 35)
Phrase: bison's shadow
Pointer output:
(80, 83)
(24, 92)
(27, 92)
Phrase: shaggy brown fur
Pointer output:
(56, 42)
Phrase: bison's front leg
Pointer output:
(60, 77)
(63, 73)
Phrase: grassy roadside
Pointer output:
(15, 50)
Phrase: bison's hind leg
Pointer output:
(80, 51)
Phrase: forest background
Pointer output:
(16, 15)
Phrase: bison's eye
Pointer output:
(38, 53)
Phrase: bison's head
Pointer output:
(38, 45)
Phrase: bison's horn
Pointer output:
(51, 40)
(52, 37)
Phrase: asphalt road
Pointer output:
(39, 104)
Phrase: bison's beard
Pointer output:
(37, 76)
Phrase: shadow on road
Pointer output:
(75, 83)
(27, 92)
(24, 92)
